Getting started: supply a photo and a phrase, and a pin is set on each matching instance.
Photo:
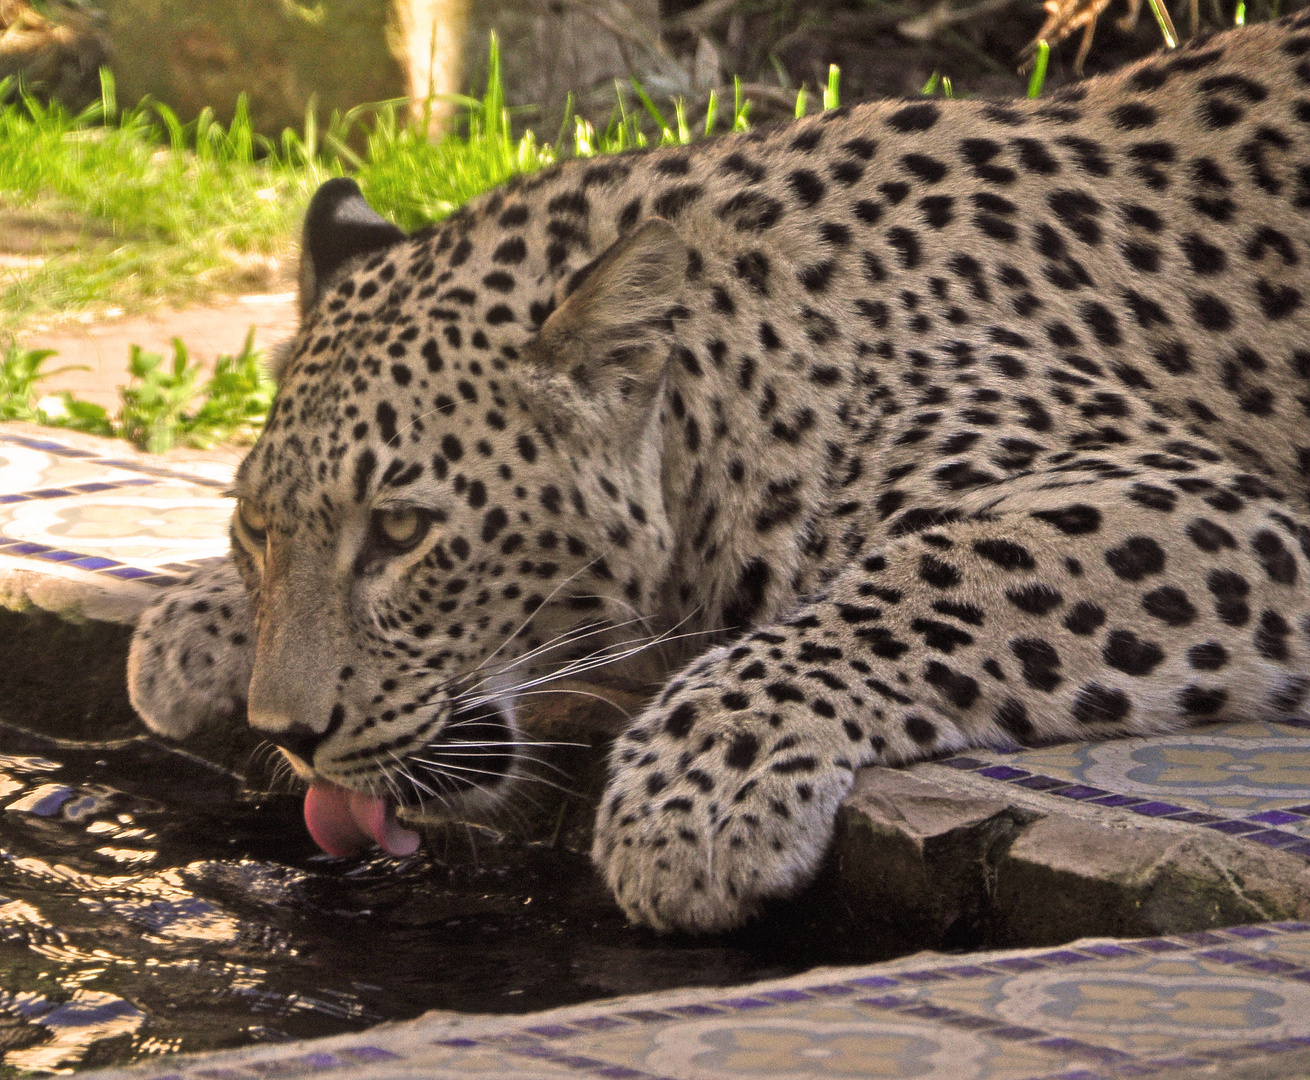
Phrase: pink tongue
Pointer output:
(345, 823)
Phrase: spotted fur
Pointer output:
(950, 423)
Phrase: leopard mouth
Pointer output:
(344, 822)
(475, 750)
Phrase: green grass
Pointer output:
(123, 219)
(164, 404)
(1041, 59)
(132, 208)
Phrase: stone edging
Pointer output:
(96, 563)
(1259, 827)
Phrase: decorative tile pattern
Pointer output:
(1246, 780)
(1092, 1010)
(113, 517)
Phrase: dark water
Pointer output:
(148, 904)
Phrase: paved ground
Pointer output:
(207, 332)
(1176, 845)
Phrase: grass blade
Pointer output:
(831, 93)
(1165, 23)
(1038, 78)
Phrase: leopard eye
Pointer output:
(252, 520)
(401, 530)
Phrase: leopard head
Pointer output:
(449, 499)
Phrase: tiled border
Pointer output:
(549, 1041)
(295, 1066)
(60, 450)
(97, 564)
(71, 489)
(1260, 827)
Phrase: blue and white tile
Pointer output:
(91, 512)
(1247, 780)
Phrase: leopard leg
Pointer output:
(192, 654)
(1060, 609)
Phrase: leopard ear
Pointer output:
(339, 226)
(610, 335)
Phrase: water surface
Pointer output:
(150, 904)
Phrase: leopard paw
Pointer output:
(710, 811)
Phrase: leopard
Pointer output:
(902, 428)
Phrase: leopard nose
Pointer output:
(299, 739)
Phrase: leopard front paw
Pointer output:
(711, 810)
(192, 654)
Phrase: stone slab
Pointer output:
(1232, 1003)
(959, 858)
(1064, 875)
(90, 529)
(922, 853)
(987, 852)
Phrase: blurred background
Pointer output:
(341, 53)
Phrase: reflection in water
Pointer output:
(149, 905)
(71, 1026)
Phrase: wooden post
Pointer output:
(432, 53)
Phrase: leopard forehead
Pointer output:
(392, 407)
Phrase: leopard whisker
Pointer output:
(404, 772)
(522, 758)
(443, 767)
(469, 698)
(569, 637)
(528, 759)
(607, 654)
(268, 756)
(466, 744)
(603, 656)
(576, 692)
(528, 619)
(393, 789)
